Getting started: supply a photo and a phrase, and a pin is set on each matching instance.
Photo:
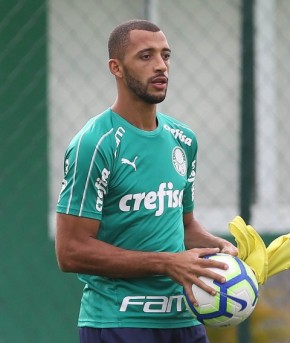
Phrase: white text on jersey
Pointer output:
(157, 304)
(118, 136)
(192, 178)
(179, 134)
(153, 200)
(101, 185)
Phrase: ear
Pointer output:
(116, 68)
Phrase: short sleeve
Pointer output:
(87, 168)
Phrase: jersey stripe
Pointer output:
(91, 167)
(74, 174)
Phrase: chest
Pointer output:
(146, 165)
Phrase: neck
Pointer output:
(137, 113)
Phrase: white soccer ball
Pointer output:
(235, 299)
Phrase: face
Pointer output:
(146, 65)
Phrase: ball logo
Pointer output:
(179, 160)
(242, 302)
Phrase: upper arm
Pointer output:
(72, 235)
(187, 219)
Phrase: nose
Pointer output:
(161, 65)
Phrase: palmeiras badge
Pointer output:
(179, 160)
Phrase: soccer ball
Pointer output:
(235, 299)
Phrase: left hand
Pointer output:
(227, 247)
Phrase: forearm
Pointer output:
(196, 236)
(201, 239)
(99, 258)
(78, 251)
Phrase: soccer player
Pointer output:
(125, 218)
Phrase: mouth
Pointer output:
(159, 82)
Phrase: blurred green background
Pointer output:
(230, 79)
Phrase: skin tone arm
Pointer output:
(78, 251)
(196, 236)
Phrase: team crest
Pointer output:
(179, 160)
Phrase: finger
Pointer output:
(205, 287)
(210, 274)
(200, 284)
(207, 251)
(190, 296)
(230, 250)
(211, 263)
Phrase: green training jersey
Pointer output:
(137, 184)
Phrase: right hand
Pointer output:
(186, 267)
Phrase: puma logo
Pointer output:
(133, 164)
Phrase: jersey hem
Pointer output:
(85, 214)
(188, 210)
(144, 325)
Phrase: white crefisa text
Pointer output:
(152, 200)
(101, 184)
(179, 135)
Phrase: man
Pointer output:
(125, 218)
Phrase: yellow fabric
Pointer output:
(251, 247)
(265, 262)
(279, 255)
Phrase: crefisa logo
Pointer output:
(179, 160)
(179, 134)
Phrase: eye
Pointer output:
(166, 56)
(145, 57)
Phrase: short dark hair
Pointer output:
(119, 38)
